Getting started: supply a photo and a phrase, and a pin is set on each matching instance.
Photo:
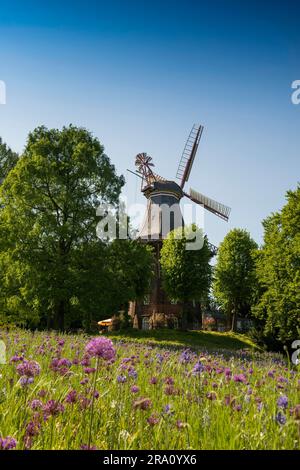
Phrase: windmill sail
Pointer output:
(213, 206)
(188, 155)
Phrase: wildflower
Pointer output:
(198, 368)
(295, 412)
(71, 397)
(237, 407)
(240, 378)
(132, 373)
(280, 418)
(153, 380)
(24, 381)
(121, 379)
(153, 420)
(211, 396)
(42, 393)
(52, 408)
(180, 424)
(7, 443)
(282, 402)
(142, 404)
(28, 368)
(86, 447)
(101, 348)
(89, 370)
(36, 404)
(186, 356)
(135, 389)
(171, 390)
(229, 400)
(169, 381)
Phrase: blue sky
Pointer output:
(139, 74)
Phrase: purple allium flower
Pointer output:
(295, 412)
(7, 443)
(169, 381)
(71, 397)
(168, 410)
(159, 357)
(180, 424)
(84, 402)
(28, 368)
(280, 418)
(42, 393)
(211, 396)
(142, 404)
(229, 400)
(170, 390)
(16, 358)
(132, 373)
(237, 407)
(153, 380)
(186, 356)
(24, 381)
(121, 379)
(260, 406)
(89, 370)
(198, 368)
(84, 381)
(32, 428)
(35, 404)
(282, 402)
(53, 408)
(86, 447)
(101, 347)
(153, 420)
(135, 389)
(240, 378)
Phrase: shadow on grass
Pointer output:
(210, 340)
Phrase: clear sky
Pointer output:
(138, 74)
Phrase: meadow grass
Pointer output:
(149, 397)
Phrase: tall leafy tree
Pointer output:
(8, 160)
(48, 226)
(186, 273)
(278, 271)
(234, 283)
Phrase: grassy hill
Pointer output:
(210, 340)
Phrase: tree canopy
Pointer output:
(8, 160)
(278, 272)
(234, 284)
(54, 269)
(186, 273)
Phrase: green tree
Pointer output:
(130, 270)
(49, 248)
(8, 160)
(278, 272)
(234, 284)
(186, 273)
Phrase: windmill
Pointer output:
(164, 193)
(163, 214)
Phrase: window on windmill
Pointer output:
(147, 299)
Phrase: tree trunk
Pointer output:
(59, 319)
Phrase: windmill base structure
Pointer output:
(163, 215)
